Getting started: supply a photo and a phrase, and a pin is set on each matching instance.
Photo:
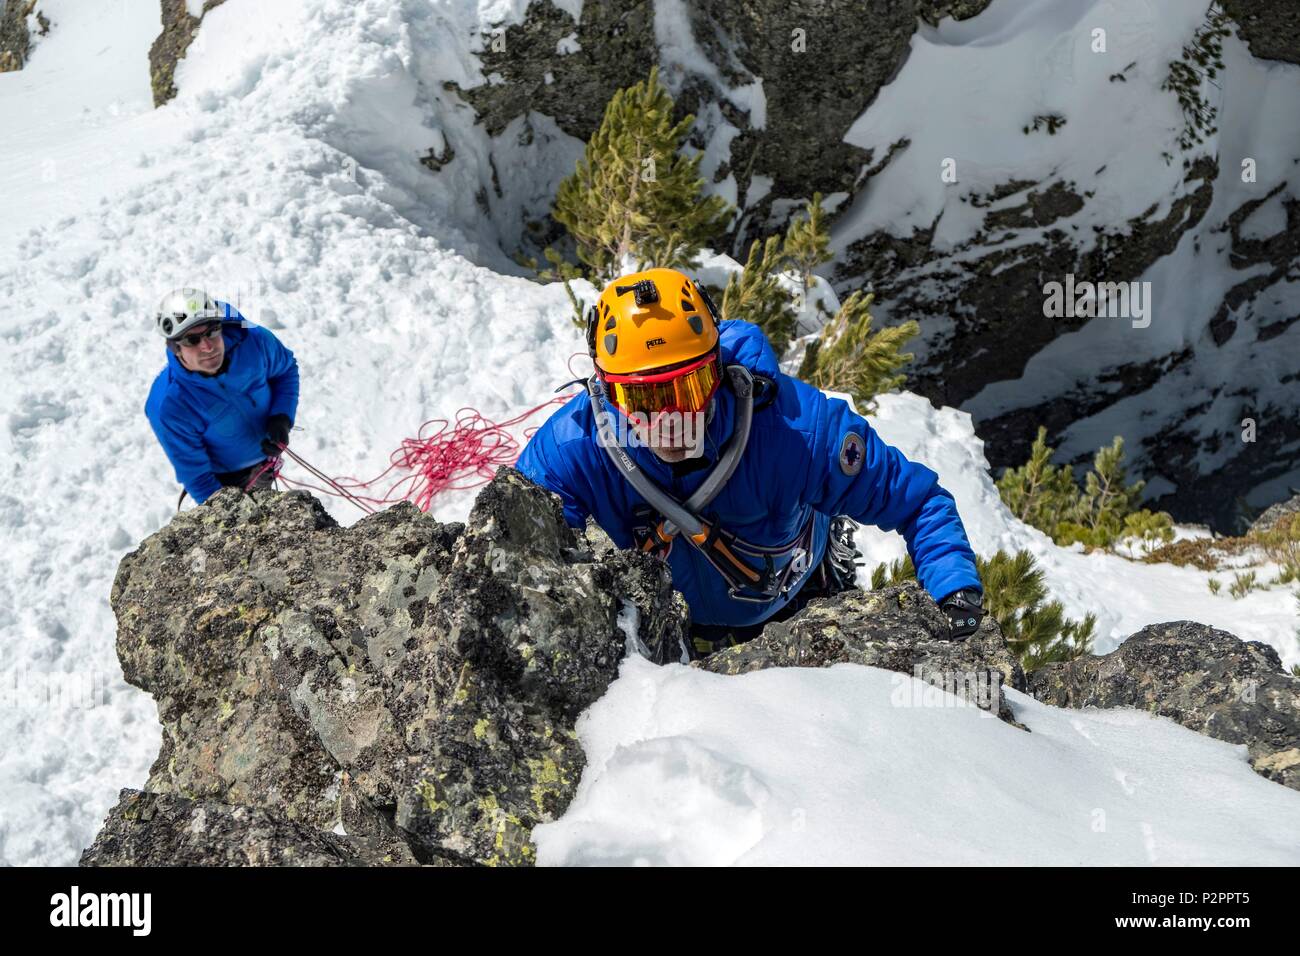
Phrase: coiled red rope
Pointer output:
(443, 456)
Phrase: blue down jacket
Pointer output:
(216, 423)
(793, 470)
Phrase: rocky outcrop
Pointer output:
(1271, 515)
(897, 628)
(1204, 679)
(1270, 29)
(178, 29)
(154, 829)
(15, 34)
(397, 691)
(404, 692)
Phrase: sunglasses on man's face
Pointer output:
(194, 338)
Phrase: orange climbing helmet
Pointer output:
(653, 336)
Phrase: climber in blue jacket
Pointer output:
(227, 398)
(692, 444)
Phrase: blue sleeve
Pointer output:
(891, 492)
(545, 463)
(185, 451)
(281, 375)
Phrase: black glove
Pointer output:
(277, 435)
(964, 609)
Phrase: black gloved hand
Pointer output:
(964, 608)
(277, 435)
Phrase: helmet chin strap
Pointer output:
(681, 516)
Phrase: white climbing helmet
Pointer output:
(182, 309)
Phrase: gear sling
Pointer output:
(725, 551)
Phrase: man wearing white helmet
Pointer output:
(227, 398)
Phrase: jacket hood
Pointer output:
(743, 343)
(232, 330)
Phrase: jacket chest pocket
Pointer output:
(258, 399)
(224, 421)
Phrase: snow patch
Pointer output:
(834, 766)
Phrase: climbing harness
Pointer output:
(750, 570)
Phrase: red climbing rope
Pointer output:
(443, 456)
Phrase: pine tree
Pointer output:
(850, 357)
(1104, 503)
(1039, 493)
(634, 200)
(807, 245)
(896, 572)
(1038, 633)
(756, 295)
(1107, 496)
(1152, 528)
(1098, 516)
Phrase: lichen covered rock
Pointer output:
(1199, 676)
(896, 628)
(401, 678)
(152, 829)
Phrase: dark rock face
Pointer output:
(856, 47)
(1270, 29)
(152, 829)
(1005, 316)
(178, 29)
(15, 41)
(896, 628)
(1203, 678)
(1004, 319)
(617, 49)
(821, 65)
(414, 682)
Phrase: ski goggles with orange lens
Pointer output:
(684, 388)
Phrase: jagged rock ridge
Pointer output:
(405, 692)
(410, 684)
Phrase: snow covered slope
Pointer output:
(855, 765)
(1218, 227)
(285, 177)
